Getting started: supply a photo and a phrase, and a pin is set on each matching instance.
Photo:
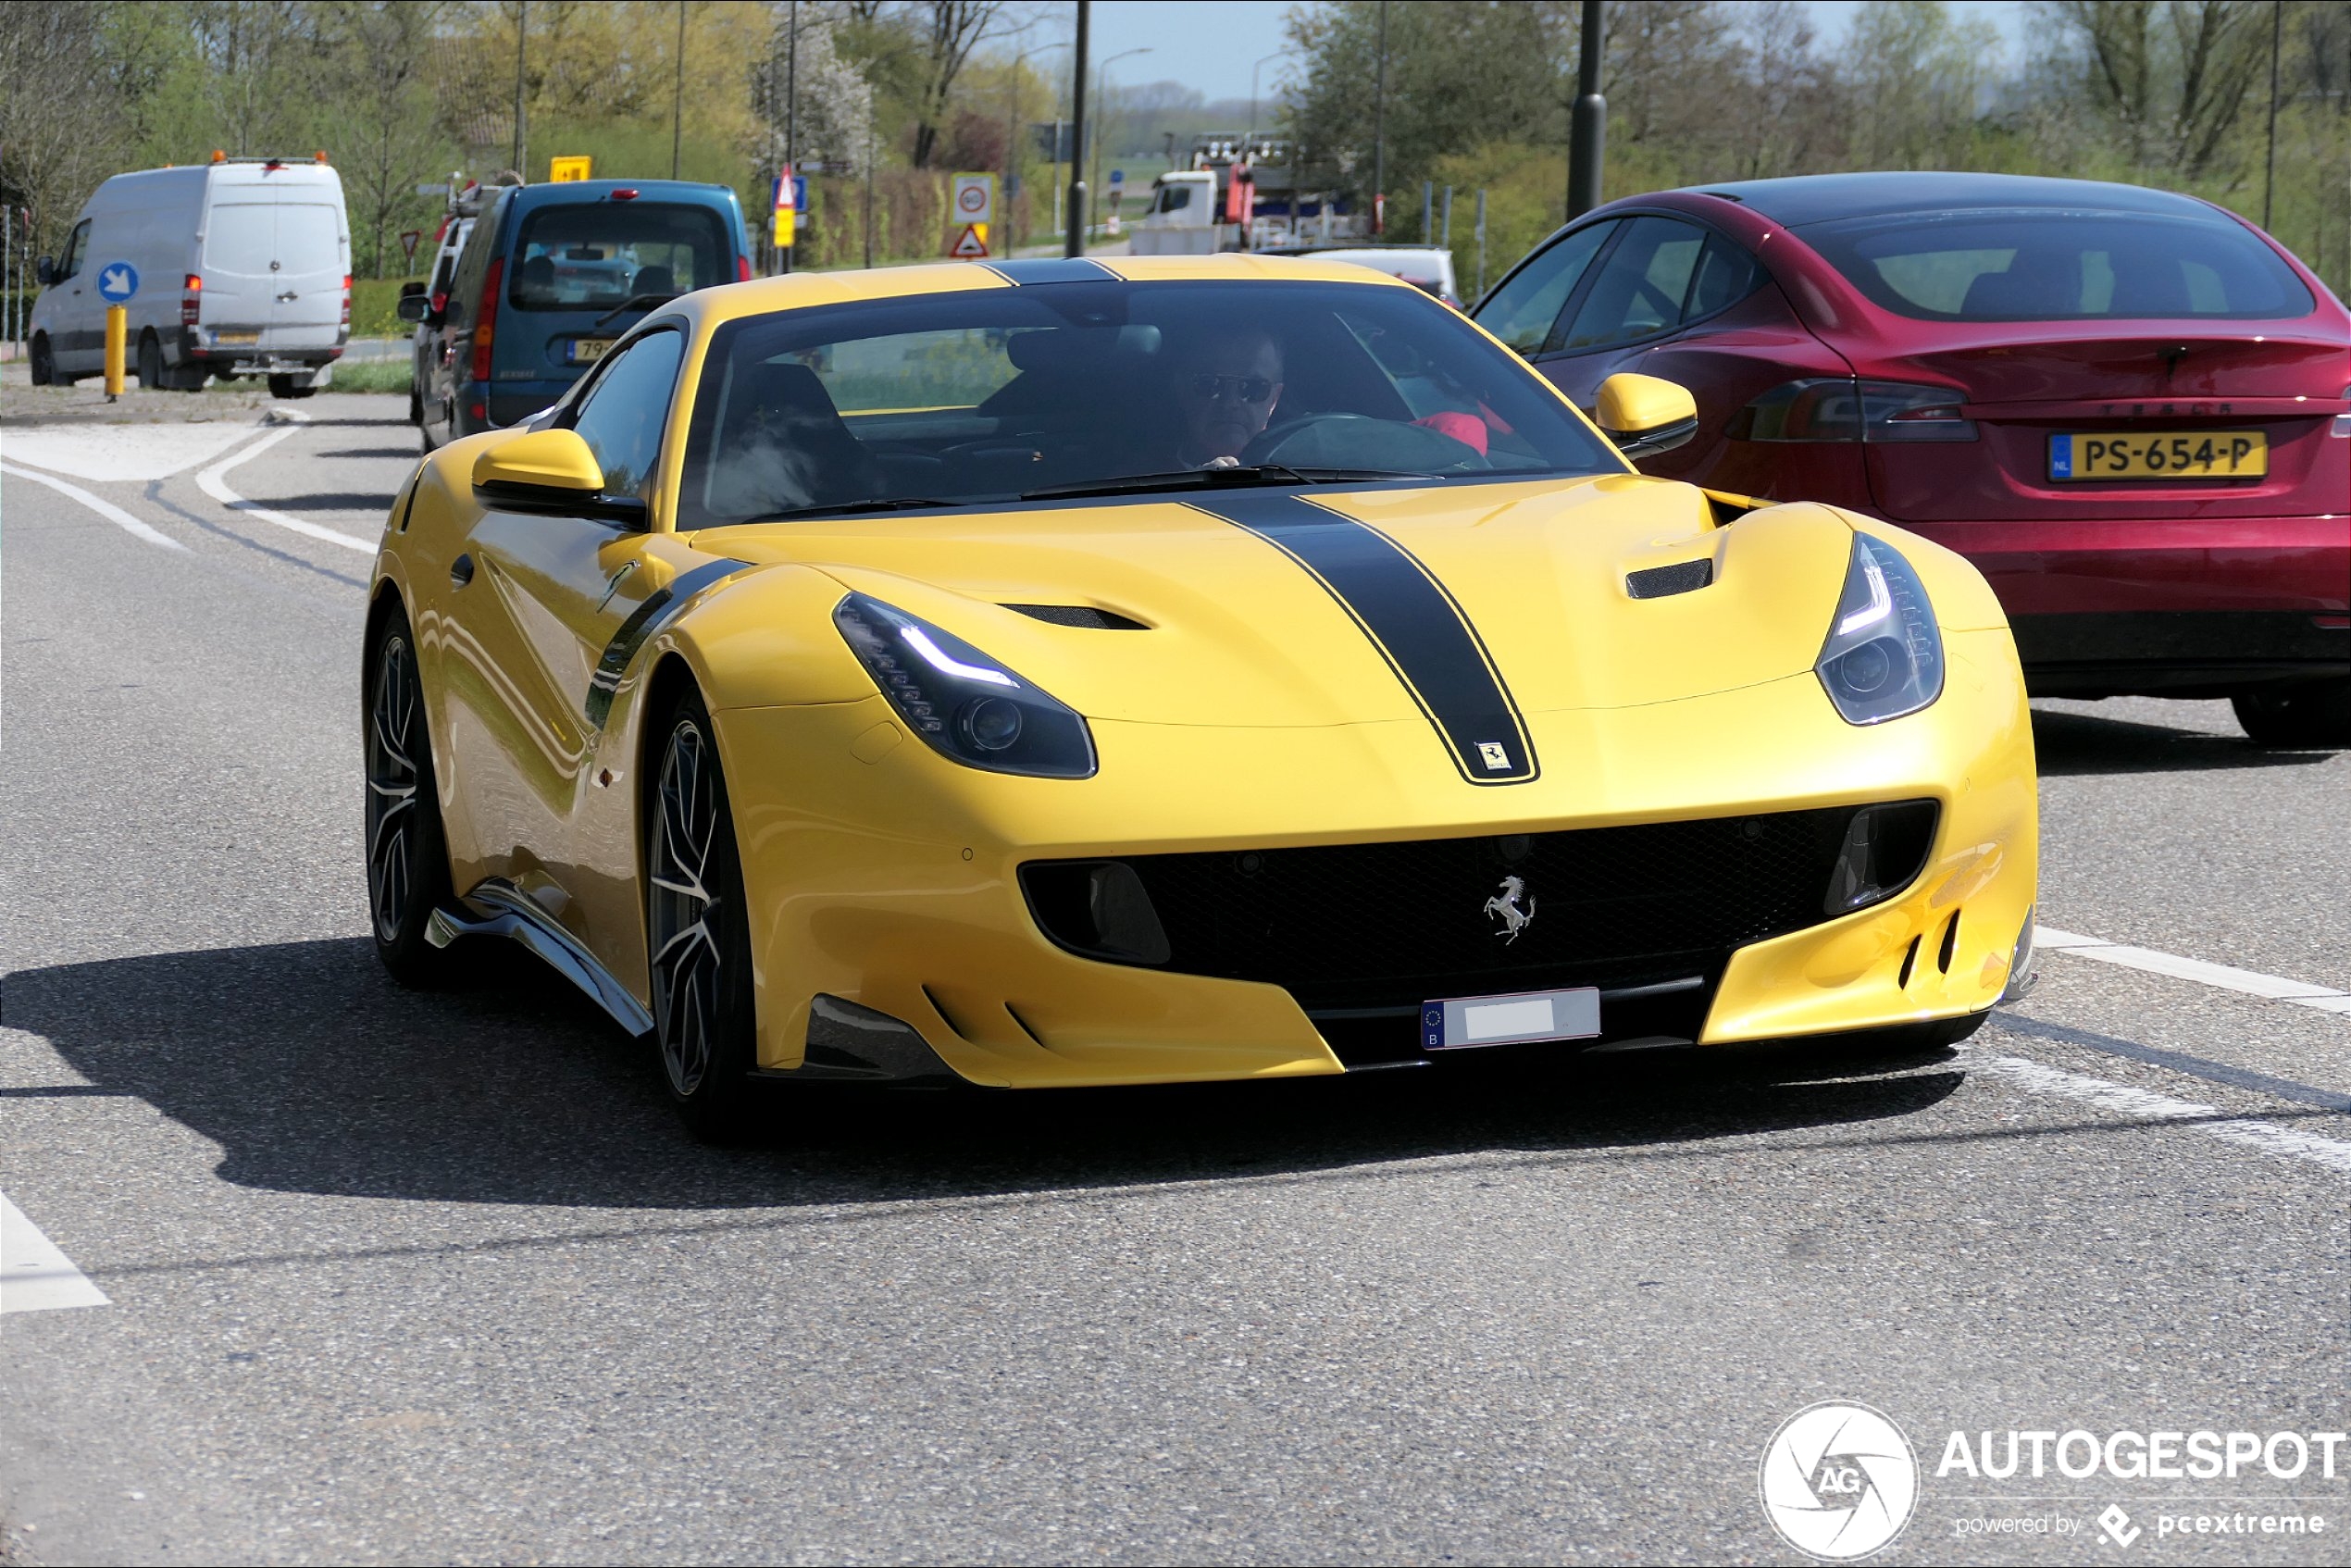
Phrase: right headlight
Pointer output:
(1883, 657)
(963, 703)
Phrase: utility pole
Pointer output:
(1379, 132)
(2277, 46)
(522, 30)
(1073, 241)
(678, 101)
(869, 174)
(791, 126)
(1587, 131)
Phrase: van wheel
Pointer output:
(284, 386)
(150, 362)
(44, 364)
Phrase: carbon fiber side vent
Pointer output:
(1079, 615)
(1663, 582)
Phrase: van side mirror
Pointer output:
(414, 308)
(551, 472)
(44, 271)
(1644, 415)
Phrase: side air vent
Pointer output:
(1663, 582)
(1079, 615)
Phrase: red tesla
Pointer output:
(2130, 408)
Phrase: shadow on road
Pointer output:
(337, 501)
(2069, 745)
(315, 1074)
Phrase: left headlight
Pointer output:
(966, 706)
(1883, 657)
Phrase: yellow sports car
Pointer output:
(1071, 672)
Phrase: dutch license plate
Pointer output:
(1461, 1022)
(236, 339)
(2144, 454)
(586, 351)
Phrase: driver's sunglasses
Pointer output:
(1247, 389)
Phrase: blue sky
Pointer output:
(1212, 44)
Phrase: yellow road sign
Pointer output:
(973, 246)
(785, 221)
(563, 169)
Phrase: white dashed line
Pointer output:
(2251, 1133)
(35, 1276)
(106, 509)
(211, 483)
(2248, 982)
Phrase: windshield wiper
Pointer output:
(634, 302)
(843, 508)
(1242, 476)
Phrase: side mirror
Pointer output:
(551, 472)
(44, 271)
(416, 287)
(413, 308)
(1645, 416)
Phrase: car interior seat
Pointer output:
(781, 443)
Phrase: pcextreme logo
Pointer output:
(1838, 1481)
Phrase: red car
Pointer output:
(2130, 409)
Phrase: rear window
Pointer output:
(241, 238)
(594, 256)
(2060, 267)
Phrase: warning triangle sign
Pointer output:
(971, 247)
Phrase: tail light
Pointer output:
(486, 322)
(626, 193)
(346, 293)
(742, 269)
(191, 300)
(1841, 408)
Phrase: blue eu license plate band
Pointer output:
(1460, 1023)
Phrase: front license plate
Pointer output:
(1466, 1021)
(2141, 455)
(586, 351)
(236, 339)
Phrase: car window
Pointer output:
(1172, 198)
(594, 256)
(1641, 286)
(241, 238)
(76, 243)
(622, 415)
(307, 234)
(1523, 311)
(989, 394)
(1726, 274)
(2058, 266)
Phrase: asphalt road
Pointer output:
(439, 1277)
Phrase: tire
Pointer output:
(407, 854)
(2314, 716)
(150, 362)
(699, 938)
(284, 386)
(45, 363)
(415, 405)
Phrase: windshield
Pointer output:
(592, 255)
(2051, 266)
(993, 395)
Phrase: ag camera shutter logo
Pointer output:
(1839, 1481)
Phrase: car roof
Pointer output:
(1818, 198)
(564, 193)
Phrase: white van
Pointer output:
(242, 267)
(1180, 218)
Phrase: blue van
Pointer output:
(551, 276)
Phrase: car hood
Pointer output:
(1280, 607)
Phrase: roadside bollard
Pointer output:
(117, 330)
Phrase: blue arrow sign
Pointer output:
(118, 281)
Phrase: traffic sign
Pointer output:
(408, 238)
(118, 281)
(974, 198)
(786, 228)
(563, 170)
(973, 246)
(790, 193)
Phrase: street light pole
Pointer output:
(1074, 240)
(792, 124)
(1589, 128)
(1250, 139)
(522, 32)
(678, 101)
(1102, 104)
(1379, 132)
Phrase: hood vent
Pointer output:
(1663, 582)
(1081, 616)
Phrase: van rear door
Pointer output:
(240, 244)
(306, 304)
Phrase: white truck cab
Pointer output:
(236, 267)
(1181, 218)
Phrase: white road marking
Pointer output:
(211, 483)
(35, 1276)
(106, 509)
(2248, 1132)
(120, 453)
(2250, 982)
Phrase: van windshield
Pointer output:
(980, 395)
(594, 256)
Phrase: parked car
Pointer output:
(551, 276)
(242, 267)
(429, 342)
(1427, 268)
(2128, 407)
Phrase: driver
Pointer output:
(1228, 381)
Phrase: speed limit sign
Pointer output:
(974, 198)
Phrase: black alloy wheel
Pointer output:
(700, 940)
(407, 855)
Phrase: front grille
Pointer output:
(1378, 926)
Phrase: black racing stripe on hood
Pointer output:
(1410, 618)
(1051, 270)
